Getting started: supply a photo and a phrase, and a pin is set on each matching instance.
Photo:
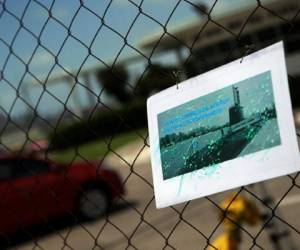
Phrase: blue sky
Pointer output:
(106, 45)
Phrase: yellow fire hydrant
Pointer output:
(237, 210)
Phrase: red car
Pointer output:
(33, 191)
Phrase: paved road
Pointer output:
(201, 213)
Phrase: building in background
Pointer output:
(214, 42)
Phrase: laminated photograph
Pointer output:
(229, 127)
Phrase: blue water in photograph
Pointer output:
(237, 120)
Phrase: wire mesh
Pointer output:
(134, 223)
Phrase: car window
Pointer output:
(30, 168)
(6, 170)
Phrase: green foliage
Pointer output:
(107, 123)
(101, 124)
(157, 78)
(174, 138)
(96, 149)
(114, 82)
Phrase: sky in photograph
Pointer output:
(256, 93)
(119, 15)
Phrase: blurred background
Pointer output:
(74, 80)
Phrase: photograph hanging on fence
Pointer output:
(226, 128)
(237, 120)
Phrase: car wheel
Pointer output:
(93, 203)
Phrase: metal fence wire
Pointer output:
(133, 222)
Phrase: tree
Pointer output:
(201, 9)
(114, 82)
(157, 78)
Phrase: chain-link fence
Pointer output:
(73, 123)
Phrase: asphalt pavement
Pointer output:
(139, 220)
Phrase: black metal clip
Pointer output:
(177, 75)
(248, 49)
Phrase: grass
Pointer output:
(98, 148)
